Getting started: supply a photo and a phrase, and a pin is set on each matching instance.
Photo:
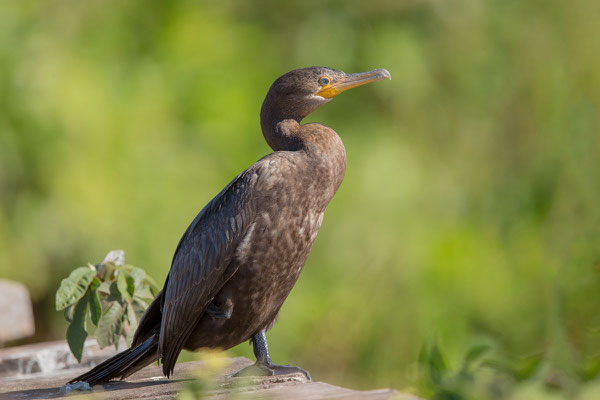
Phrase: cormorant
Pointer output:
(240, 257)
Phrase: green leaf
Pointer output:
(590, 369)
(114, 293)
(95, 284)
(74, 287)
(474, 354)
(138, 274)
(139, 306)
(104, 288)
(125, 284)
(90, 328)
(110, 325)
(432, 358)
(527, 367)
(152, 285)
(68, 313)
(137, 301)
(131, 317)
(94, 301)
(115, 257)
(76, 333)
(144, 293)
(133, 323)
(106, 271)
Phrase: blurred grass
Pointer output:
(469, 213)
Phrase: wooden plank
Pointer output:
(149, 383)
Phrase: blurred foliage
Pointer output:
(105, 300)
(469, 212)
(205, 378)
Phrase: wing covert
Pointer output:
(201, 263)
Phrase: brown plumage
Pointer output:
(239, 259)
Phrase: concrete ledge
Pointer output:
(50, 357)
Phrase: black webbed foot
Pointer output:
(263, 365)
(262, 369)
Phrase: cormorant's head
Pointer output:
(301, 91)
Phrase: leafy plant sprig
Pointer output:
(105, 300)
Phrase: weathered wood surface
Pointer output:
(149, 383)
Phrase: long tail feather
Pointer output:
(123, 364)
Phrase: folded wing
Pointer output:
(202, 263)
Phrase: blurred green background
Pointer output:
(469, 218)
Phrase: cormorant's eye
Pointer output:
(324, 81)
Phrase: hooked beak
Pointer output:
(350, 81)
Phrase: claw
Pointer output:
(264, 366)
(262, 369)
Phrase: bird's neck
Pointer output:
(281, 130)
(280, 122)
(283, 134)
(323, 148)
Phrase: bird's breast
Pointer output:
(288, 204)
(279, 240)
